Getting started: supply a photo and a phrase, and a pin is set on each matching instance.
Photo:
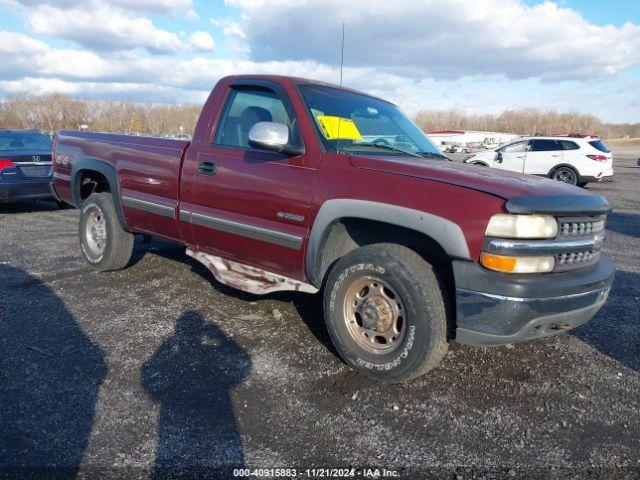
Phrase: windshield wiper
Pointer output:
(385, 147)
(433, 154)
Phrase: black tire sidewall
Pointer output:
(420, 339)
(569, 169)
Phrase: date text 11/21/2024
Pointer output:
(348, 472)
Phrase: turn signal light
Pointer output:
(529, 264)
(4, 163)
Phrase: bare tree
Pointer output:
(57, 112)
(525, 122)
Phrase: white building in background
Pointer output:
(444, 138)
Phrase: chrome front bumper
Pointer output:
(499, 320)
(498, 308)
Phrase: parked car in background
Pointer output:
(25, 165)
(576, 160)
(291, 184)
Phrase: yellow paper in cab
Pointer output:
(338, 128)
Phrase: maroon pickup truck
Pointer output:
(292, 184)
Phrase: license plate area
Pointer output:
(35, 170)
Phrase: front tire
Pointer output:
(385, 311)
(104, 243)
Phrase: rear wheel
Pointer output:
(565, 175)
(385, 311)
(104, 243)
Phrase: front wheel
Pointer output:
(104, 243)
(565, 175)
(385, 311)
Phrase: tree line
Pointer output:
(528, 121)
(59, 112)
(56, 112)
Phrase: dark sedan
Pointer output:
(25, 165)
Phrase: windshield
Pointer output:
(358, 124)
(24, 141)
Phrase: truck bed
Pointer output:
(147, 169)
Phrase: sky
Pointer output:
(480, 56)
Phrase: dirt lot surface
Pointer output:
(159, 371)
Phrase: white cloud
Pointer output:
(103, 90)
(102, 28)
(229, 27)
(17, 43)
(153, 5)
(441, 38)
(202, 42)
(191, 15)
(485, 57)
(156, 6)
(23, 55)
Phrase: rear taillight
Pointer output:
(598, 158)
(4, 163)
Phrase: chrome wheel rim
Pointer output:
(374, 315)
(95, 233)
(566, 176)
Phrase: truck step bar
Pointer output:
(246, 278)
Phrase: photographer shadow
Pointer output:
(191, 376)
(50, 375)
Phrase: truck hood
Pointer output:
(497, 182)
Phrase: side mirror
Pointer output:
(499, 157)
(273, 137)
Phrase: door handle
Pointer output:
(520, 156)
(207, 168)
(556, 155)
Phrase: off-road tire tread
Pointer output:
(434, 299)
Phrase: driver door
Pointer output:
(247, 204)
(512, 156)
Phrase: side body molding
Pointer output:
(447, 233)
(109, 173)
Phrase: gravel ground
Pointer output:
(159, 371)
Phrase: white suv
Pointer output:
(577, 160)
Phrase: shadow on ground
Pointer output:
(615, 330)
(28, 206)
(309, 307)
(50, 373)
(191, 376)
(624, 223)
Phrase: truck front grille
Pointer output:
(573, 227)
(569, 261)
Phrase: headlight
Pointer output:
(522, 226)
(501, 263)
